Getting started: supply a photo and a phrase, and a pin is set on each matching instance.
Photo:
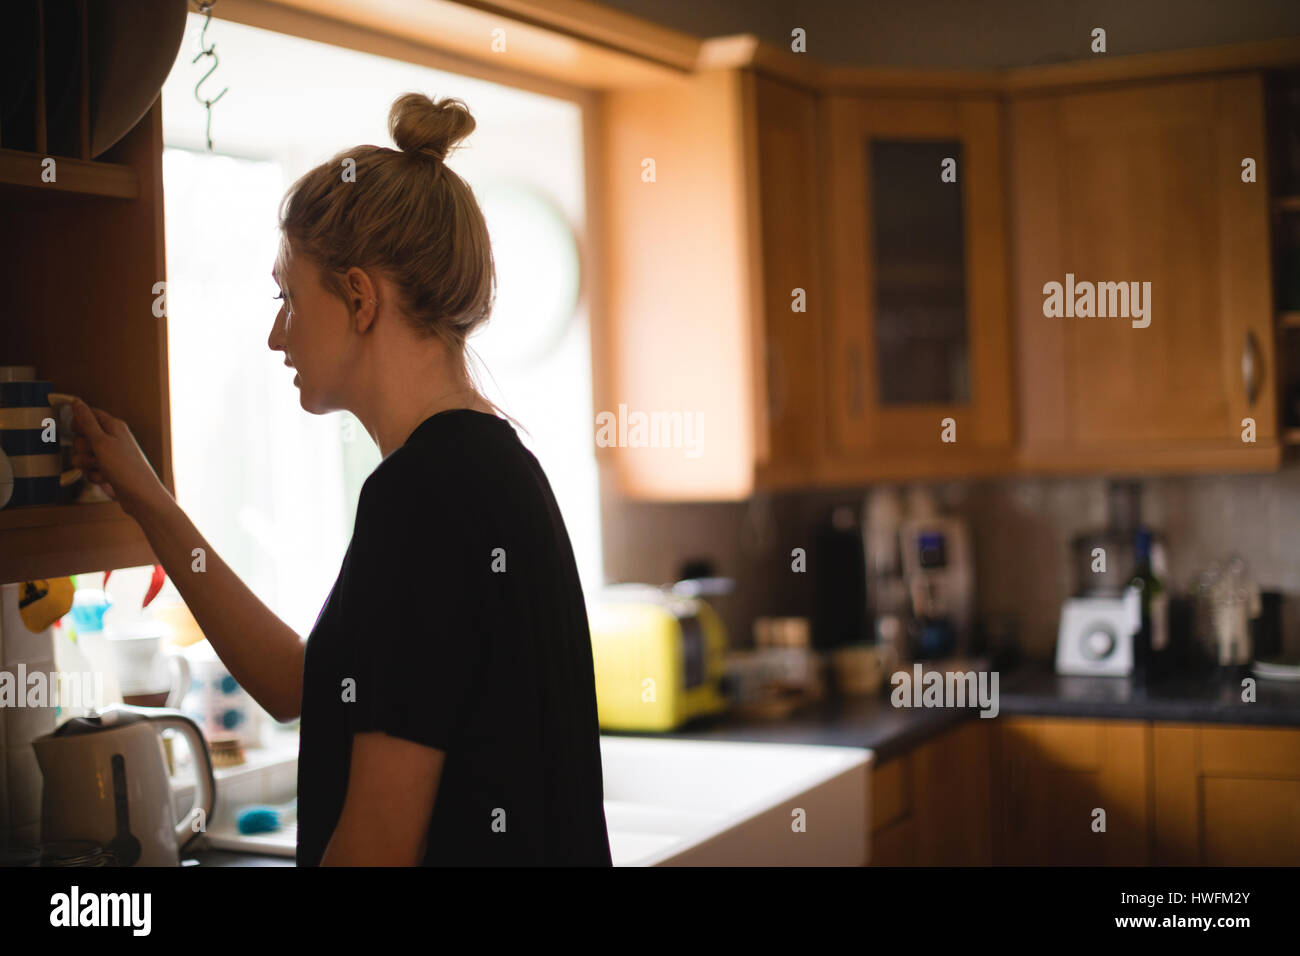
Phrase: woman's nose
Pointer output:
(275, 341)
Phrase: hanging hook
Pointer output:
(205, 8)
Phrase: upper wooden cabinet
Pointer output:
(794, 296)
(797, 273)
(786, 264)
(1142, 187)
(708, 192)
(919, 324)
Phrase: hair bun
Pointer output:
(428, 128)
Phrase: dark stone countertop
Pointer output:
(1183, 699)
(1031, 692)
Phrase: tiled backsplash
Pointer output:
(1021, 528)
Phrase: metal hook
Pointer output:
(205, 7)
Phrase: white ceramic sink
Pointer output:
(668, 802)
(672, 802)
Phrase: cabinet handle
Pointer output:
(1250, 368)
(855, 381)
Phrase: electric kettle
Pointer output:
(106, 780)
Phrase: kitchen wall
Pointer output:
(1021, 529)
(959, 34)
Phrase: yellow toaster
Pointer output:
(659, 658)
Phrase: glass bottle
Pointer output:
(1151, 653)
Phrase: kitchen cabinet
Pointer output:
(837, 270)
(80, 276)
(794, 297)
(918, 366)
(1024, 791)
(1053, 775)
(891, 813)
(1226, 796)
(932, 805)
(1135, 186)
(708, 193)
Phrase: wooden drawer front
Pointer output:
(1063, 743)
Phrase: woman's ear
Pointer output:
(365, 312)
(365, 299)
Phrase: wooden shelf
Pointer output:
(47, 515)
(106, 219)
(57, 540)
(1288, 320)
(1287, 203)
(1291, 436)
(76, 176)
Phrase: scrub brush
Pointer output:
(226, 751)
(261, 819)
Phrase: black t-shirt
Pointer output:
(457, 621)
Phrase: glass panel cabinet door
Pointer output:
(920, 270)
(919, 343)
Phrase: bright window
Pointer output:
(273, 488)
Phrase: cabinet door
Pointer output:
(793, 438)
(920, 326)
(891, 814)
(1054, 774)
(931, 807)
(676, 348)
(951, 821)
(1137, 186)
(1226, 796)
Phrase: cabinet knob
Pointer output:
(1251, 371)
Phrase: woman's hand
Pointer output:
(106, 451)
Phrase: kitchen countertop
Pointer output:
(1181, 699)
(1027, 692)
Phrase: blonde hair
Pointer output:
(405, 215)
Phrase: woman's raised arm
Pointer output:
(261, 652)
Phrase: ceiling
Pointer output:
(976, 34)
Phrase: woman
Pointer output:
(446, 691)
